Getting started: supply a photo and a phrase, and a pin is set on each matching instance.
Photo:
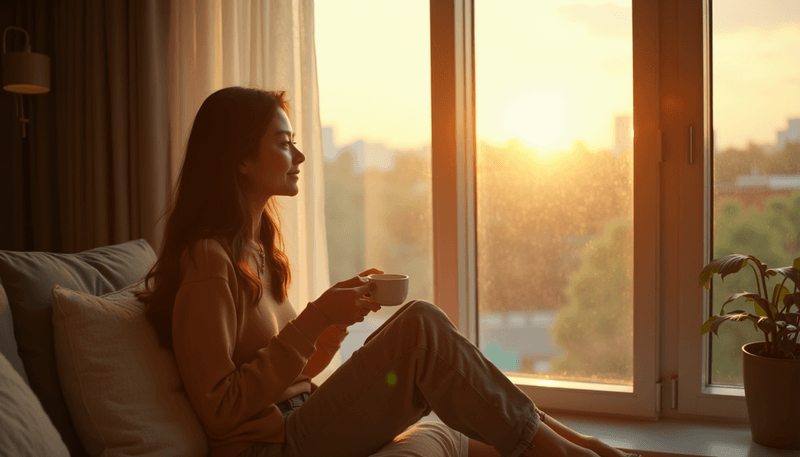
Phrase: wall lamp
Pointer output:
(24, 72)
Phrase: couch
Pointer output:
(81, 372)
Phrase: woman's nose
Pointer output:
(299, 157)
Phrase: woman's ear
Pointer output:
(243, 167)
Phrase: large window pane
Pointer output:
(756, 162)
(373, 61)
(554, 102)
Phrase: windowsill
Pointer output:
(668, 437)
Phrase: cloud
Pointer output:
(614, 20)
(736, 15)
(606, 20)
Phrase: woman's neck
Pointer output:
(256, 212)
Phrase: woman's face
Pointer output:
(274, 168)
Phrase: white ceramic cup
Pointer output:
(390, 289)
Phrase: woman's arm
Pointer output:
(327, 345)
(205, 329)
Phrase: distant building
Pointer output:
(755, 189)
(329, 149)
(623, 135)
(791, 134)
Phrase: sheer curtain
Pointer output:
(270, 45)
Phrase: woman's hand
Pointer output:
(345, 303)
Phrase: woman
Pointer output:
(217, 297)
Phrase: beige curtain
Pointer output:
(112, 135)
(270, 45)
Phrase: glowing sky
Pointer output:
(547, 72)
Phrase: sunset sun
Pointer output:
(537, 118)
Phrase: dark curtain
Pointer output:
(94, 169)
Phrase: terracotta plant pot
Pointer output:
(772, 393)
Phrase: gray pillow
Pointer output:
(25, 429)
(28, 278)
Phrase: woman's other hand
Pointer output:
(345, 303)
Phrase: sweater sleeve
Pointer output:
(204, 328)
(327, 345)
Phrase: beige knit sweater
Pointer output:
(236, 359)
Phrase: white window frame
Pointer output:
(696, 396)
(453, 188)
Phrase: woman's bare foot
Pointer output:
(546, 442)
(589, 442)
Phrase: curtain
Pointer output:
(94, 169)
(269, 45)
(110, 64)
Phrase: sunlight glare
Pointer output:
(538, 119)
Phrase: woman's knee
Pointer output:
(427, 314)
(424, 308)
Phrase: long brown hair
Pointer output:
(208, 201)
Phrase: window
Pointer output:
(459, 199)
(669, 52)
(756, 155)
(718, 56)
(554, 124)
(374, 85)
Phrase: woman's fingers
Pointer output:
(355, 281)
(369, 304)
(371, 271)
(364, 288)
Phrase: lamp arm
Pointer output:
(19, 29)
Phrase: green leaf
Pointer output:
(791, 318)
(724, 266)
(707, 325)
(737, 316)
(759, 309)
(767, 325)
(792, 299)
(757, 299)
(792, 273)
(787, 346)
(780, 291)
(796, 264)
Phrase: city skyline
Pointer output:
(378, 89)
(369, 154)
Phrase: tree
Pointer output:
(772, 236)
(595, 326)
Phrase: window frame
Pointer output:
(454, 224)
(696, 395)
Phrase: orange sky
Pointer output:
(548, 73)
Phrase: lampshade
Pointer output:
(26, 72)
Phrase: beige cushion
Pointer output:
(427, 439)
(123, 392)
(25, 428)
(28, 278)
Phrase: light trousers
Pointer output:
(414, 363)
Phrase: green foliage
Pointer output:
(771, 235)
(380, 217)
(595, 327)
(535, 214)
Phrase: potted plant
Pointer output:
(771, 369)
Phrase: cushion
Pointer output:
(427, 439)
(25, 428)
(124, 391)
(28, 277)
(8, 346)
